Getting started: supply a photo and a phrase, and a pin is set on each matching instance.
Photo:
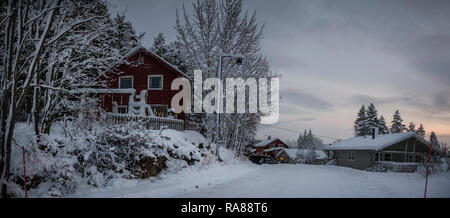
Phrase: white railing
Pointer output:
(149, 122)
(406, 167)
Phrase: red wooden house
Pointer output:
(141, 70)
(269, 147)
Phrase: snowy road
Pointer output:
(248, 180)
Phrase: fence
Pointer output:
(408, 167)
(149, 122)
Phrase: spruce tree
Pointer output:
(124, 37)
(421, 131)
(301, 140)
(360, 128)
(412, 127)
(397, 125)
(159, 45)
(371, 117)
(383, 129)
(435, 141)
(169, 52)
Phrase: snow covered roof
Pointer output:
(367, 143)
(138, 48)
(292, 153)
(273, 149)
(265, 142)
(93, 90)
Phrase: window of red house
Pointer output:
(155, 82)
(126, 82)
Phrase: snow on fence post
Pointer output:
(149, 122)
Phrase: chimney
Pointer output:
(375, 132)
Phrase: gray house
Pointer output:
(364, 152)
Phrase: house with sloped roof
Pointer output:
(363, 152)
(140, 78)
(269, 147)
(295, 155)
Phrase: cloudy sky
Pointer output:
(336, 55)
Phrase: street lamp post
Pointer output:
(239, 58)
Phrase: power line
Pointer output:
(296, 131)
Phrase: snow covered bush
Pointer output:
(94, 157)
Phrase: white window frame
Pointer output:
(162, 82)
(132, 80)
(350, 155)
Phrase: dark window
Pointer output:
(155, 82)
(410, 158)
(122, 110)
(387, 157)
(126, 82)
(351, 155)
(141, 59)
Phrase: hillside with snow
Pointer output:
(99, 156)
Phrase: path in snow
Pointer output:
(282, 180)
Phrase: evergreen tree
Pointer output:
(301, 140)
(159, 45)
(124, 37)
(412, 127)
(360, 128)
(383, 129)
(421, 131)
(397, 125)
(371, 117)
(171, 52)
(307, 140)
(435, 142)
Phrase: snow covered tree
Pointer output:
(435, 141)
(301, 140)
(307, 140)
(360, 124)
(412, 127)
(159, 45)
(371, 117)
(421, 131)
(383, 129)
(216, 27)
(49, 49)
(169, 52)
(124, 36)
(397, 125)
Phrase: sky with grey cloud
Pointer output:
(334, 56)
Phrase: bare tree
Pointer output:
(223, 26)
(29, 30)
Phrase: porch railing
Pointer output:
(406, 167)
(149, 122)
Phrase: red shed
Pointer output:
(269, 147)
(140, 70)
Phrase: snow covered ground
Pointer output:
(243, 179)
